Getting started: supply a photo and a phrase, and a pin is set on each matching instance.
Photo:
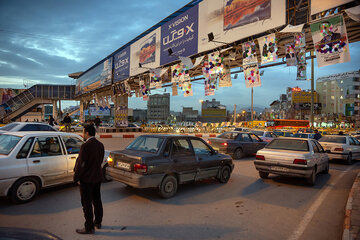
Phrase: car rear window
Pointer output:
(7, 143)
(289, 144)
(333, 139)
(146, 144)
(9, 126)
(228, 135)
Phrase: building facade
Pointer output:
(158, 107)
(189, 114)
(212, 111)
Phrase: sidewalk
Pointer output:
(352, 213)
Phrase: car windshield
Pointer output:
(228, 135)
(289, 144)
(146, 144)
(333, 139)
(259, 133)
(7, 143)
(9, 126)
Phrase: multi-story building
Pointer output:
(340, 94)
(301, 104)
(212, 111)
(158, 107)
(139, 115)
(189, 114)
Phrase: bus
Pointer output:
(287, 123)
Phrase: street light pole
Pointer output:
(312, 91)
(252, 104)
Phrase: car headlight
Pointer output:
(110, 161)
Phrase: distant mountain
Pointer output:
(240, 107)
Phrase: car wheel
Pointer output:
(238, 153)
(312, 179)
(168, 187)
(326, 171)
(264, 175)
(225, 173)
(24, 190)
(349, 159)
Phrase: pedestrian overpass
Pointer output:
(36, 95)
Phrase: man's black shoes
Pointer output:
(97, 225)
(85, 231)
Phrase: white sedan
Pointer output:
(33, 160)
(266, 136)
(341, 147)
(294, 157)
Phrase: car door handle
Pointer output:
(36, 161)
(73, 158)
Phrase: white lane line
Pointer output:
(311, 211)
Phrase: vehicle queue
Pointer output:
(37, 156)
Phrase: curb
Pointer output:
(117, 136)
(348, 210)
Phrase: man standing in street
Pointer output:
(97, 122)
(317, 135)
(67, 122)
(89, 172)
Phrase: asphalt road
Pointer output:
(247, 207)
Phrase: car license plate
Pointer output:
(123, 165)
(280, 169)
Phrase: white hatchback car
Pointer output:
(30, 161)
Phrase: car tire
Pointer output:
(168, 187)
(326, 171)
(264, 175)
(238, 154)
(312, 178)
(349, 159)
(24, 190)
(224, 174)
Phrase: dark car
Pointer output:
(237, 144)
(165, 161)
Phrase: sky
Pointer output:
(42, 41)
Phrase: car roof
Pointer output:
(24, 123)
(293, 138)
(168, 136)
(39, 133)
(329, 135)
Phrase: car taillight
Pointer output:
(208, 142)
(300, 161)
(224, 144)
(260, 157)
(140, 168)
(110, 161)
(339, 149)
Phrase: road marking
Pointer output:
(311, 211)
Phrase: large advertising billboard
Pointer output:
(322, 5)
(122, 65)
(180, 35)
(99, 76)
(145, 51)
(232, 20)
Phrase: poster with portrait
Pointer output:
(268, 48)
(187, 88)
(180, 73)
(209, 90)
(252, 75)
(225, 78)
(330, 41)
(301, 72)
(299, 40)
(249, 53)
(144, 90)
(290, 55)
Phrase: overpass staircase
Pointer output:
(33, 97)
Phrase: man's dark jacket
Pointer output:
(67, 119)
(88, 164)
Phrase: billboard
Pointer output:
(181, 35)
(99, 76)
(232, 20)
(122, 65)
(322, 5)
(145, 51)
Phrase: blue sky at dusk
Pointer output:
(43, 41)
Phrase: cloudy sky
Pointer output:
(42, 41)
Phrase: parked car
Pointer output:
(165, 161)
(357, 137)
(341, 147)
(26, 126)
(266, 136)
(242, 129)
(283, 134)
(304, 135)
(293, 157)
(33, 160)
(237, 144)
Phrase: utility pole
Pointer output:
(312, 91)
(252, 104)
(234, 113)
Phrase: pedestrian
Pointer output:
(317, 135)
(51, 120)
(89, 173)
(97, 122)
(67, 122)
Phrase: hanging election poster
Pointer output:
(301, 55)
(180, 73)
(180, 35)
(187, 88)
(144, 90)
(122, 65)
(252, 76)
(232, 20)
(290, 55)
(268, 48)
(330, 41)
(249, 53)
(174, 89)
(301, 72)
(318, 6)
(208, 90)
(146, 52)
(225, 78)
(299, 40)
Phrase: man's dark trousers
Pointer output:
(90, 196)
